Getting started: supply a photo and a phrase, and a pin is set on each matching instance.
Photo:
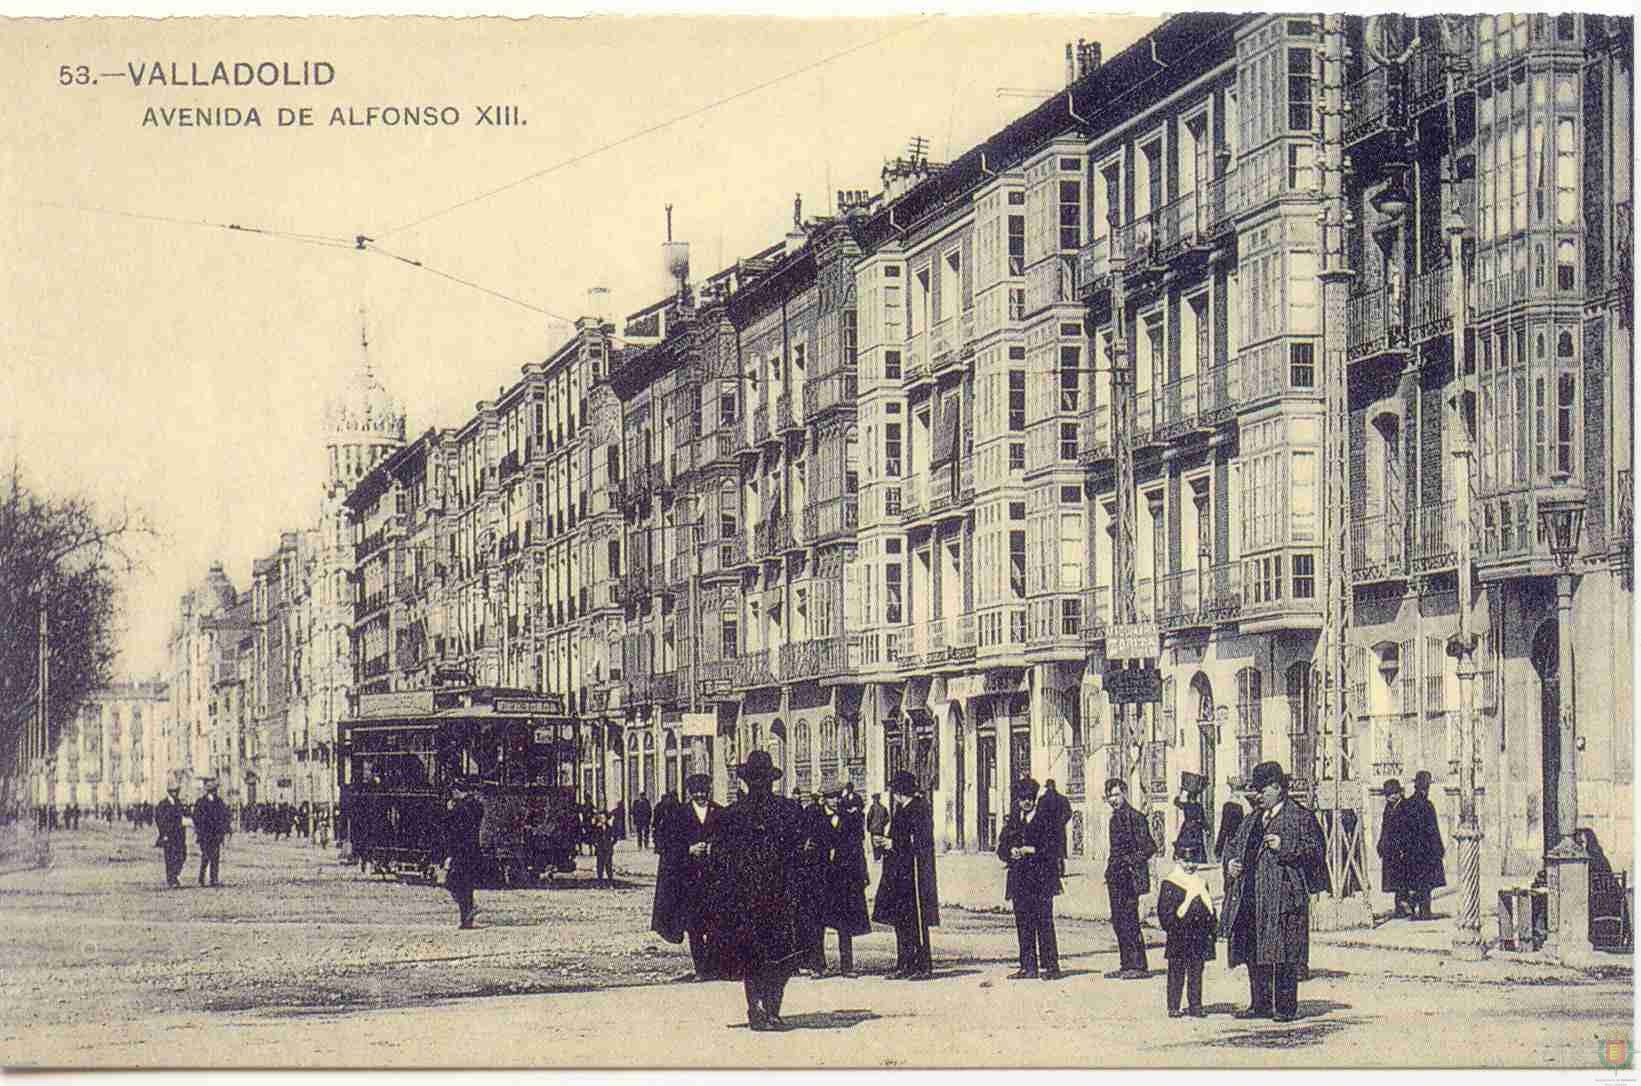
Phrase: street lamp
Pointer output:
(1560, 520)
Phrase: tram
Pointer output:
(400, 754)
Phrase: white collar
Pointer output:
(1274, 811)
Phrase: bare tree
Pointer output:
(66, 556)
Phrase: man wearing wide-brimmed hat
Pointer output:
(843, 888)
(682, 890)
(1266, 921)
(907, 896)
(756, 922)
(210, 827)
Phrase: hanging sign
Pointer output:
(699, 724)
(1133, 686)
(1133, 641)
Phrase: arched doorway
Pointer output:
(1547, 663)
(1201, 706)
(777, 747)
(633, 789)
(673, 781)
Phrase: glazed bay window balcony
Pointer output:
(1378, 550)
(831, 391)
(1051, 281)
(1282, 368)
(831, 519)
(1280, 587)
(1055, 620)
(718, 447)
(1375, 105)
(950, 639)
(1504, 288)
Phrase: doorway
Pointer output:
(1547, 662)
(985, 782)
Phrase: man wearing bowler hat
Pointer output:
(757, 925)
(172, 837)
(1270, 864)
(1030, 845)
(681, 881)
(458, 847)
(210, 827)
(906, 895)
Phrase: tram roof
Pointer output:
(407, 708)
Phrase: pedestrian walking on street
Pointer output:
(210, 827)
(1192, 843)
(877, 821)
(843, 892)
(458, 847)
(907, 894)
(1127, 878)
(641, 821)
(1057, 809)
(604, 848)
(1270, 872)
(684, 833)
(1422, 848)
(1393, 849)
(168, 824)
(1185, 912)
(1030, 845)
(758, 836)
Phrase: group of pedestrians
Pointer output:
(753, 887)
(211, 825)
(1410, 848)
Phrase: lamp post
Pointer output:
(1561, 519)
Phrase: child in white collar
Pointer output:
(1186, 913)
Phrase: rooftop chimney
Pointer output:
(1088, 57)
(1071, 64)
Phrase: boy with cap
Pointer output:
(1186, 913)
(1030, 845)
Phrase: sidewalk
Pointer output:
(974, 882)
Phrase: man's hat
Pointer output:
(1025, 788)
(759, 766)
(210, 782)
(1421, 777)
(698, 782)
(902, 784)
(1392, 785)
(1267, 773)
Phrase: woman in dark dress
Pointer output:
(1191, 845)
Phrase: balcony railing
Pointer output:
(754, 669)
(1179, 226)
(1221, 202)
(1094, 265)
(1431, 304)
(911, 496)
(1435, 538)
(1145, 417)
(678, 570)
(950, 638)
(1390, 737)
(965, 333)
(1378, 547)
(1098, 433)
(1625, 518)
(943, 344)
(760, 425)
(1096, 613)
(1179, 407)
(831, 518)
(917, 361)
(820, 658)
(1368, 330)
(1500, 292)
(1201, 597)
(783, 419)
(1375, 103)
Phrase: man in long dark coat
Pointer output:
(211, 824)
(808, 874)
(1392, 849)
(641, 821)
(1266, 921)
(1127, 878)
(877, 821)
(1422, 848)
(172, 838)
(684, 833)
(843, 893)
(1057, 809)
(659, 817)
(756, 921)
(458, 844)
(907, 895)
(1030, 845)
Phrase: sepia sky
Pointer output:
(183, 367)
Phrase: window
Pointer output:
(891, 365)
(730, 635)
(1249, 721)
(1017, 401)
(891, 450)
(1017, 303)
(1302, 365)
(1068, 441)
(1071, 214)
(1304, 496)
(726, 408)
(1566, 173)
(1566, 398)
(850, 336)
(1017, 510)
(1017, 564)
(1071, 377)
(891, 591)
(1017, 248)
(1017, 456)
(1304, 576)
(1302, 720)
(1073, 544)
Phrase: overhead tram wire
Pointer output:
(662, 126)
(324, 240)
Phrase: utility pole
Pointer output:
(1123, 606)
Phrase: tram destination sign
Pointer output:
(1133, 641)
(545, 705)
(1132, 686)
(397, 703)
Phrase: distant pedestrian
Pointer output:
(617, 819)
(907, 895)
(1393, 849)
(1057, 809)
(1127, 879)
(168, 824)
(641, 821)
(604, 848)
(1185, 911)
(1271, 869)
(756, 922)
(684, 834)
(1230, 820)
(1191, 845)
(877, 821)
(1422, 848)
(458, 847)
(1030, 845)
(210, 827)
